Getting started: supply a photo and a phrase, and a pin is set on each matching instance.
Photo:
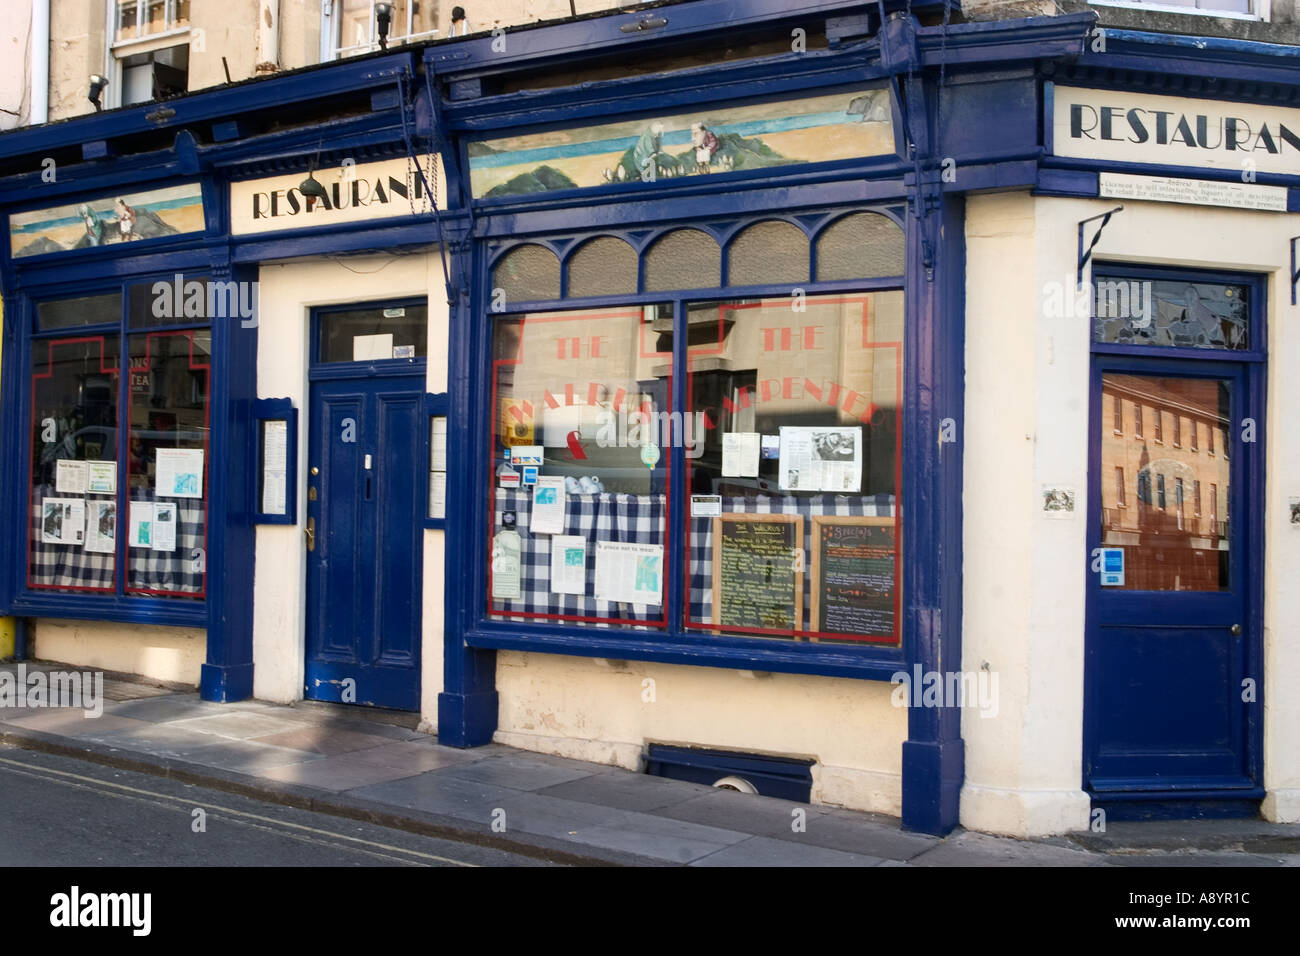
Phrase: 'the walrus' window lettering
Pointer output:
(1170, 312)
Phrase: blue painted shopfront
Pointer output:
(967, 97)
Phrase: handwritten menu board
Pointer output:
(755, 584)
(854, 576)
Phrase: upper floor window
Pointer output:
(1244, 9)
(355, 27)
(138, 19)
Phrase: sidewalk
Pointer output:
(375, 767)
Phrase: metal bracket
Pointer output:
(1085, 256)
(1295, 273)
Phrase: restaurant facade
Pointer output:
(887, 414)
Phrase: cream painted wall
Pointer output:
(286, 293)
(597, 710)
(161, 653)
(1027, 426)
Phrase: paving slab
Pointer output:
(73, 722)
(627, 791)
(434, 792)
(765, 851)
(165, 708)
(728, 809)
(338, 773)
(964, 848)
(242, 756)
(239, 726)
(523, 771)
(1193, 858)
(328, 741)
(160, 740)
(856, 833)
(417, 755)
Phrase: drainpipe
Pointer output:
(39, 80)
(268, 36)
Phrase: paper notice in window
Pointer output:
(368, 348)
(141, 525)
(569, 564)
(628, 572)
(438, 446)
(740, 454)
(101, 527)
(70, 477)
(63, 520)
(164, 527)
(275, 466)
(506, 549)
(821, 459)
(437, 494)
(179, 473)
(548, 506)
(101, 477)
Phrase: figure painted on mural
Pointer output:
(125, 220)
(94, 225)
(645, 155)
(706, 145)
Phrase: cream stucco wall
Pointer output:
(161, 653)
(1027, 426)
(606, 712)
(287, 291)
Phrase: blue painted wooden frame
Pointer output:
(270, 410)
(436, 406)
(1246, 498)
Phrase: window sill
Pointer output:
(735, 654)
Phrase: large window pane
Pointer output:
(73, 501)
(374, 333)
(1170, 544)
(793, 519)
(167, 463)
(102, 309)
(579, 466)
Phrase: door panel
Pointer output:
(1167, 645)
(364, 577)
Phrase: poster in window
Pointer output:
(821, 459)
(63, 520)
(180, 472)
(101, 527)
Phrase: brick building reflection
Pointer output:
(1164, 480)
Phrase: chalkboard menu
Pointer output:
(854, 576)
(755, 581)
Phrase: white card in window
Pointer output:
(101, 527)
(164, 527)
(141, 525)
(70, 477)
(437, 494)
(568, 564)
(438, 445)
(275, 466)
(506, 565)
(548, 506)
(706, 506)
(101, 477)
(820, 459)
(368, 348)
(63, 520)
(179, 473)
(740, 454)
(628, 572)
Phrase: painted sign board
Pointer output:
(360, 192)
(108, 220)
(1199, 192)
(1126, 127)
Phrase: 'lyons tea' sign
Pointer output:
(353, 193)
(1173, 131)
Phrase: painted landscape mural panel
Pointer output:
(814, 130)
(112, 219)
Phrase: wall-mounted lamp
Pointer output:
(311, 188)
(97, 84)
(383, 18)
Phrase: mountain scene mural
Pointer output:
(816, 129)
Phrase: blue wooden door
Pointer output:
(1171, 676)
(366, 459)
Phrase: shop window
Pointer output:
(768, 253)
(864, 245)
(167, 462)
(577, 502)
(119, 510)
(525, 274)
(1171, 312)
(102, 309)
(602, 266)
(683, 259)
(373, 334)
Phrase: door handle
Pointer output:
(309, 533)
(1235, 629)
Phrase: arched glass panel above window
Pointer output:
(683, 259)
(603, 266)
(863, 245)
(768, 253)
(527, 273)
